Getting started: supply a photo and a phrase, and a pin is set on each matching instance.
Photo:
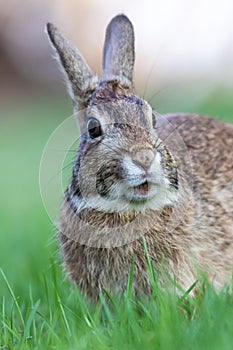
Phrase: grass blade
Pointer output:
(129, 289)
(64, 315)
(152, 275)
(13, 297)
(106, 309)
(188, 291)
(30, 320)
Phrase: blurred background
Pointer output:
(184, 62)
(178, 43)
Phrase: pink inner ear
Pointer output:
(118, 54)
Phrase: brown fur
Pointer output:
(192, 235)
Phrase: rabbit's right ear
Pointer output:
(118, 55)
(81, 81)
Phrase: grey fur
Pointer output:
(81, 81)
(188, 223)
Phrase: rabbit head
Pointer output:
(121, 164)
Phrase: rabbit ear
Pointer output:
(118, 55)
(81, 81)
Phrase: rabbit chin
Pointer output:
(123, 199)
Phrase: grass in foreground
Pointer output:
(60, 318)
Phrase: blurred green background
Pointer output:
(33, 105)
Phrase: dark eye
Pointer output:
(94, 128)
(153, 120)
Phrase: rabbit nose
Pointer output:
(144, 158)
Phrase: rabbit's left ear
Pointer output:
(118, 55)
(81, 81)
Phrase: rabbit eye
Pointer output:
(153, 120)
(94, 128)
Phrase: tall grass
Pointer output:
(62, 319)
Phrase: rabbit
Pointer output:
(143, 185)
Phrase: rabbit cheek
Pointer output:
(104, 181)
(106, 178)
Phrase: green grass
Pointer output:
(39, 309)
(61, 319)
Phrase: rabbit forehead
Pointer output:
(120, 106)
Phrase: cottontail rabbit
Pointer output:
(140, 179)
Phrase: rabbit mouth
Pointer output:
(142, 190)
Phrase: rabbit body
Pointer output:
(168, 179)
